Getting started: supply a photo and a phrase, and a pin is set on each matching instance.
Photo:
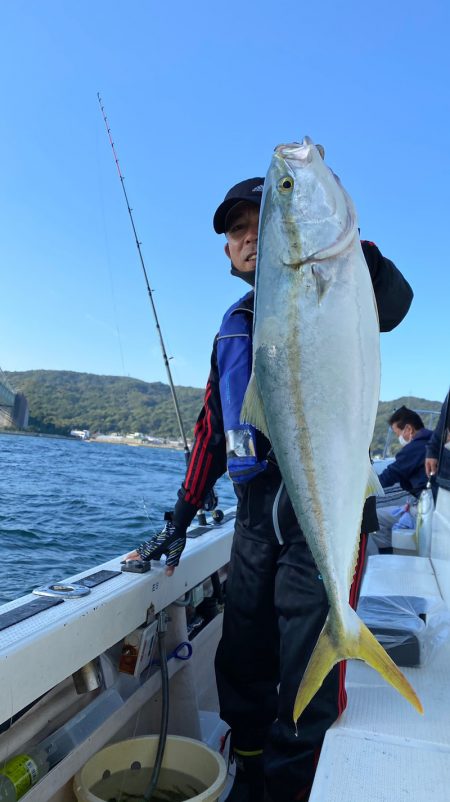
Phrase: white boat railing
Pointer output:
(57, 642)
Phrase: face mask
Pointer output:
(402, 441)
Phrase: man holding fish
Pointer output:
(289, 411)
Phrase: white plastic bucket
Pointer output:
(181, 754)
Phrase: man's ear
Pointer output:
(227, 250)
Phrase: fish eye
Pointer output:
(286, 184)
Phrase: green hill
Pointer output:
(61, 400)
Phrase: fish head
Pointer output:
(306, 213)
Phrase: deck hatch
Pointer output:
(97, 578)
(25, 611)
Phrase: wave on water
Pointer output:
(66, 506)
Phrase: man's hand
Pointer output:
(171, 542)
(431, 466)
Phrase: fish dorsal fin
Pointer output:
(374, 488)
(252, 408)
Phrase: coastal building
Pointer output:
(13, 406)
(81, 434)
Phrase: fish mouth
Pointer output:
(297, 151)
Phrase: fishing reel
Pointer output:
(210, 503)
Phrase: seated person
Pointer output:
(408, 470)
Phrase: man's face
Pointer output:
(242, 236)
(406, 432)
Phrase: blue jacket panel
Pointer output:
(409, 466)
(234, 359)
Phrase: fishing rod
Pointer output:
(149, 289)
(210, 502)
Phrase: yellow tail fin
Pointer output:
(362, 645)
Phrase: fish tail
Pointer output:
(362, 645)
(373, 653)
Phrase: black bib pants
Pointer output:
(275, 608)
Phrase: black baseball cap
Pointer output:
(250, 191)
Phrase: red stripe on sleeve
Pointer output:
(198, 462)
(201, 487)
(206, 439)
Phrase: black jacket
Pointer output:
(208, 457)
(434, 447)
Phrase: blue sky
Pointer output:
(197, 96)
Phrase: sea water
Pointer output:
(68, 505)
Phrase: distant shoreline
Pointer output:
(36, 434)
(121, 441)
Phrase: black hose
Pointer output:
(217, 587)
(185, 602)
(164, 709)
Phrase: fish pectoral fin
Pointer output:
(374, 487)
(322, 277)
(360, 644)
(252, 408)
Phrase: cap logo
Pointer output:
(259, 188)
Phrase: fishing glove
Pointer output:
(171, 542)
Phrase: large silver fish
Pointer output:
(315, 385)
